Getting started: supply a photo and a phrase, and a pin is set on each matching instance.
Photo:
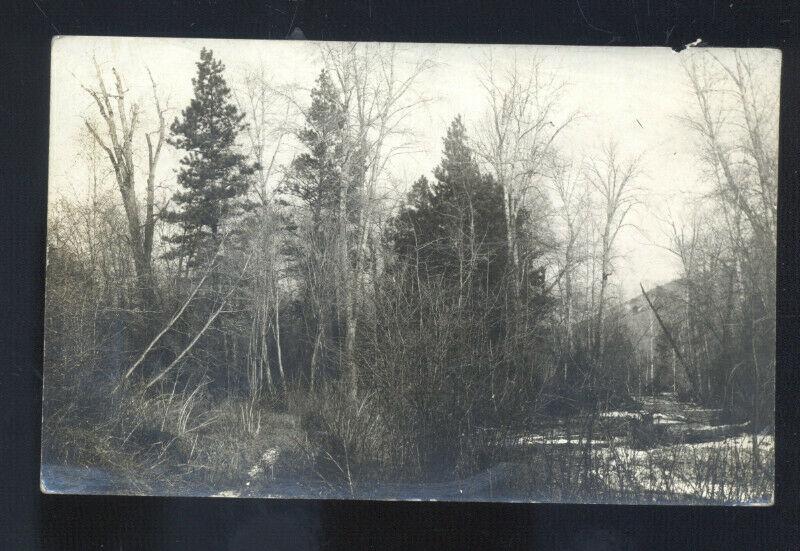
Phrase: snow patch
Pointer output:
(227, 493)
(621, 415)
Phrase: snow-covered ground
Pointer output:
(621, 415)
(720, 470)
(668, 450)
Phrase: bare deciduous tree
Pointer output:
(613, 180)
(377, 96)
(121, 125)
(734, 120)
(267, 113)
(571, 191)
(517, 138)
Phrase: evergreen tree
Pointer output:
(214, 175)
(315, 176)
(325, 183)
(454, 227)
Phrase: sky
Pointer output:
(630, 95)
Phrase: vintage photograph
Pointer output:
(411, 271)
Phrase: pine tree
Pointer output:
(326, 182)
(214, 175)
(315, 175)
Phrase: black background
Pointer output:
(29, 520)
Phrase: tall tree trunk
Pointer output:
(277, 333)
(118, 146)
(264, 365)
(511, 242)
(568, 316)
(315, 354)
(604, 275)
(345, 305)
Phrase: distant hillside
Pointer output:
(666, 298)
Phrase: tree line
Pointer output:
(405, 334)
